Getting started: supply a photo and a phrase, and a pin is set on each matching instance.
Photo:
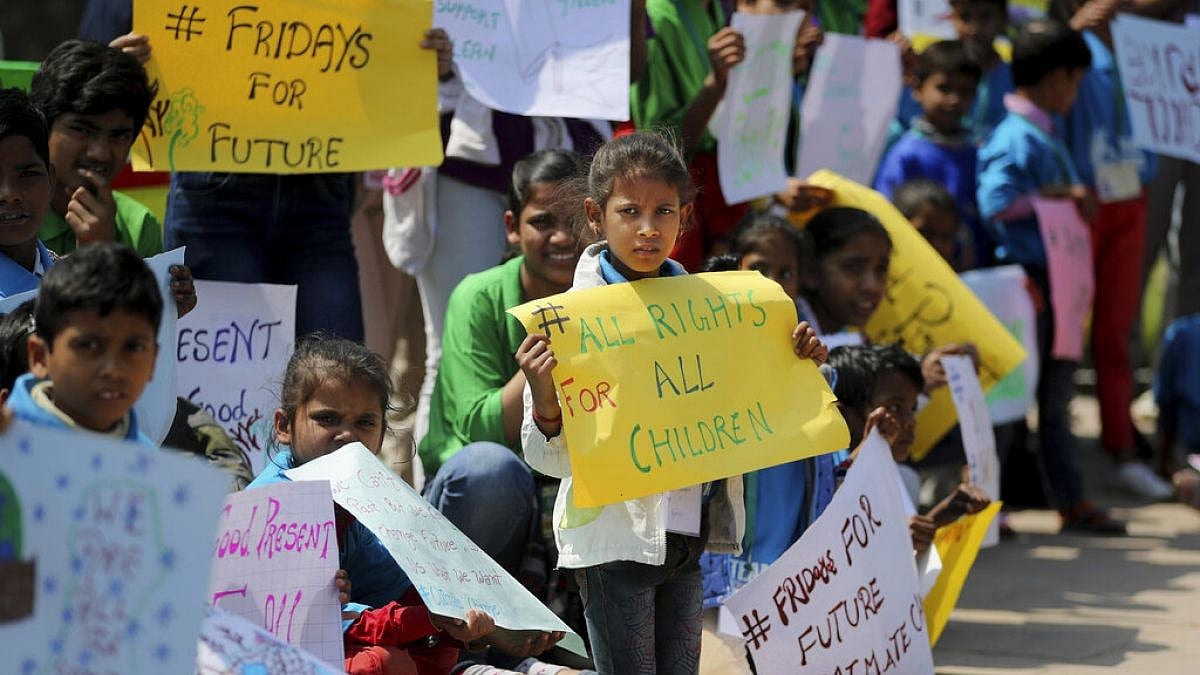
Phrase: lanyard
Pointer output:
(1064, 162)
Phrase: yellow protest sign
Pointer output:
(289, 86)
(667, 383)
(927, 306)
(957, 544)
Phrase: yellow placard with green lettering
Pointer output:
(957, 544)
(926, 306)
(288, 86)
(668, 383)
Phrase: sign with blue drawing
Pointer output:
(560, 58)
(104, 553)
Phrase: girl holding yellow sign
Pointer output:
(637, 561)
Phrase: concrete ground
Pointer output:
(1050, 603)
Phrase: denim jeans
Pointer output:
(257, 228)
(646, 619)
(1058, 449)
(487, 491)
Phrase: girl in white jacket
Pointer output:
(640, 583)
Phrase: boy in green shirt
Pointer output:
(95, 99)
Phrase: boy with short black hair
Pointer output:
(26, 177)
(95, 99)
(978, 24)
(94, 344)
(1021, 160)
(938, 146)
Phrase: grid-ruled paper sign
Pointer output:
(274, 561)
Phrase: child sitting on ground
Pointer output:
(336, 392)
(94, 344)
(878, 386)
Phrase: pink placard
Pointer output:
(1069, 258)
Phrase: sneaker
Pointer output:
(1143, 482)
(1085, 517)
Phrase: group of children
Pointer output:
(977, 143)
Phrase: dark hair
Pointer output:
(833, 228)
(103, 276)
(892, 358)
(947, 56)
(543, 166)
(319, 357)
(919, 192)
(646, 155)
(753, 235)
(90, 78)
(1043, 46)
(19, 117)
(15, 329)
(859, 368)
(725, 262)
(854, 367)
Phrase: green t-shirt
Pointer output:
(842, 16)
(478, 344)
(676, 64)
(136, 227)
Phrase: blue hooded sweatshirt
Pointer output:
(25, 408)
(375, 578)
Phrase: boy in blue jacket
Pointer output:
(939, 147)
(94, 344)
(1021, 160)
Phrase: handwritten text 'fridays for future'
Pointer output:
(683, 377)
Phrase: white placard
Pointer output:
(450, 572)
(230, 354)
(104, 549)
(852, 96)
(1158, 78)
(274, 562)
(978, 438)
(156, 407)
(925, 17)
(552, 58)
(757, 108)
(1004, 291)
(231, 645)
(844, 598)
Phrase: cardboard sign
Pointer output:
(958, 545)
(291, 86)
(926, 306)
(230, 353)
(753, 127)
(1068, 244)
(844, 598)
(1156, 63)
(450, 572)
(849, 105)
(659, 391)
(104, 552)
(231, 645)
(553, 59)
(274, 561)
